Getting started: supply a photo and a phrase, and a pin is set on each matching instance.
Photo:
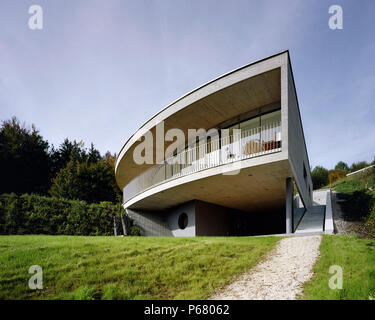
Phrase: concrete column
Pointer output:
(115, 225)
(124, 224)
(289, 205)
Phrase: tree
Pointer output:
(93, 155)
(91, 182)
(28, 165)
(67, 151)
(319, 177)
(342, 166)
(24, 159)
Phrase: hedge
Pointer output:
(34, 214)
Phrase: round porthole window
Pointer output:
(183, 220)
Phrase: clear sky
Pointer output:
(99, 69)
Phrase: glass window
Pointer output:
(183, 221)
(236, 126)
(271, 118)
(227, 136)
(250, 124)
(251, 128)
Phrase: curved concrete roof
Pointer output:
(227, 97)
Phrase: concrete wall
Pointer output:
(204, 219)
(172, 220)
(150, 223)
(297, 152)
(320, 197)
(165, 223)
(211, 219)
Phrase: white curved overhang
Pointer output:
(248, 88)
(259, 184)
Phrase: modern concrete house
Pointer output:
(240, 177)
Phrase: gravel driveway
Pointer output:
(280, 276)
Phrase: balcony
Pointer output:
(239, 146)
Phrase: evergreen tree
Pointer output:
(24, 159)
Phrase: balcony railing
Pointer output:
(243, 145)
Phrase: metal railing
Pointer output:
(243, 145)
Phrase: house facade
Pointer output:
(227, 158)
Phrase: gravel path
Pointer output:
(280, 276)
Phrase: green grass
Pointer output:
(355, 255)
(356, 182)
(357, 259)
(125, 267)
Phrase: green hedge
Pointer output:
(33, 214)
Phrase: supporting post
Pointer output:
(289, 205)
(124, 224)
(115, 225)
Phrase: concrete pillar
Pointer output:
(115, 225)
(124, 223)
(289, 205)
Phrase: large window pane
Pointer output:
(271, 118)
(250, 124)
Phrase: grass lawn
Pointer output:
(125, 267)
(356, 256)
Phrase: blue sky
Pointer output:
(99, 69)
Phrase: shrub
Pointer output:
(335, 175)
(370, 223)
(358, 166)
(135, 231)
(91, 182)
(357, 205)
(34, 214)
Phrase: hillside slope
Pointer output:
(354, 202)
